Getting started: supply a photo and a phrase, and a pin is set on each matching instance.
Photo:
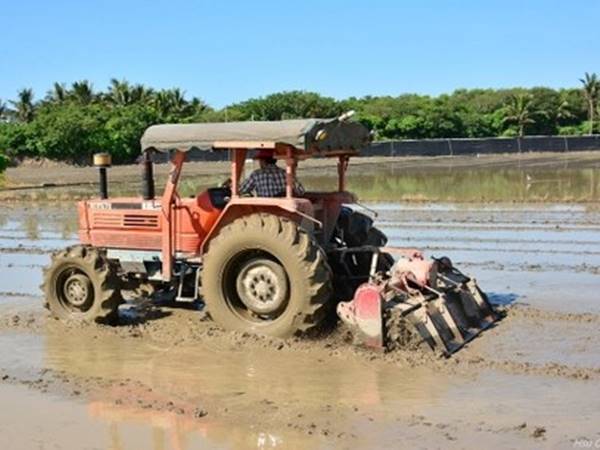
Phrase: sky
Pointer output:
(229, 51)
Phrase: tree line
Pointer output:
(72, 122)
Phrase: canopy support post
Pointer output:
(342, 167)
(147, 177)
(238, 157)
(168, 228)
(290, 172)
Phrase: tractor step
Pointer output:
(189, 284)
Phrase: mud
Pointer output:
(167, 377)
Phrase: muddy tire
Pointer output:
(81, 285)
(265, 274)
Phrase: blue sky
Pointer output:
(228, 51)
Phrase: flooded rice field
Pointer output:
(530, 177)
(167, 378)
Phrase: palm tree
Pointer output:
(122, 93)
(177, 100)
(520, 111)
(563, 112)
(162, 104)
(141, 94)
(119, 92)
(82, 92)
(591, 92)
(24, 106)
(198, 106)
(58, 93)
(171, 101)
(3, 111)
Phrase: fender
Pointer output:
(296, 208)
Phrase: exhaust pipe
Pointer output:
(147, 177)
(103, 161)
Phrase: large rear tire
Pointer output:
(265, 274)
(80, 284)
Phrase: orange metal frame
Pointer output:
(186, 225)
(297, 206)
(168, 228)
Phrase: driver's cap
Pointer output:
(264, 153)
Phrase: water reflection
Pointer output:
(177, 383)
(387, 183)
(471, 180)
(173, 431)
(49, 222)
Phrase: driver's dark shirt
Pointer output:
(268, 182)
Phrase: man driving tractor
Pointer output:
(269, 179)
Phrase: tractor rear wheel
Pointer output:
(265, 274)
(80, 284)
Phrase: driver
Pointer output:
(268, 180)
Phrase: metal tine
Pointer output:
(472, 300)
(423, 318)
(472, 296)
(449, 322)
(483, 303)
(440, 304)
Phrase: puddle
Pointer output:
(448, 182)
(252, 396)
(100, 425)
(571, 342)
(557, 291)
(21, 280)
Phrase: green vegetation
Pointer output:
(520, 112)
(72, 122)
(3, 162)
(591, 93)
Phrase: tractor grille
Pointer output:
(140, 221)
(108, 219)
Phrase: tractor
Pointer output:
(277, 266)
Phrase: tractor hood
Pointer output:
(309, 135)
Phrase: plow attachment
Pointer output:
(415, 302)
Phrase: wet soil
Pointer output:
(167, 377)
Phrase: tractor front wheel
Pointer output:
(80, 284)
(265, 274)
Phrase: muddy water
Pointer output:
(446, 180)
(457, 184)
(559, 177)
(166, 379)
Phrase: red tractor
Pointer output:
(271, 265)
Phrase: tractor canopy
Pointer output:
(320, 136)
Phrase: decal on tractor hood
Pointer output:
(146, 205)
